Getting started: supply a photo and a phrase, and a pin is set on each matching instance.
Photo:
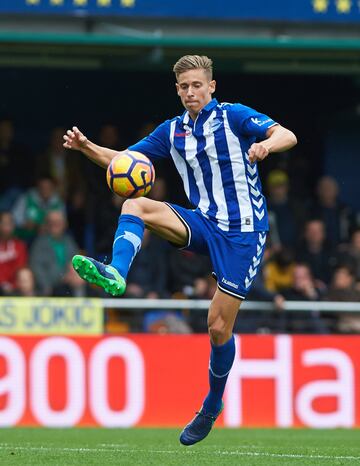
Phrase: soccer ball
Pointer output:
(130, 174)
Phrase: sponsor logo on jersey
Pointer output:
(182, 135)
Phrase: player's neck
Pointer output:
(193, 115)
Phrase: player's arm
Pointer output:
(76, 140)
(278, 139)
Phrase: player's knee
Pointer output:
(134, 207)
(218, 330)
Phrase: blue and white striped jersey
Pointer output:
(211, 157)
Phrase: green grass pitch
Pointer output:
(33, 446)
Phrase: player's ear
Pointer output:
(212, 86)
(177, 88)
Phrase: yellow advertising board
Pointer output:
(51, 316)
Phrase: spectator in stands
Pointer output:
(166, 322)
(278, 271)
(303, 289)
(78, 216)
(24, 284)
(146, 128)
(109, 136)
(32, 207)
(15, 166)
(159, 190)
(13, 253)
(99, 195)
(107, 218)
(349, 254)
(286, 215)
(71, 285)
(343, 289)
(257, 321)
(148, 275)
(316, 252)
(65, 170)
(338, 217)
(342, 286)
(185, 267)
(51, 252)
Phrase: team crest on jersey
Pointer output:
(215, 124)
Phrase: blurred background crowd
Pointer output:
(55, 203)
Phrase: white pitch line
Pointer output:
(7, 446)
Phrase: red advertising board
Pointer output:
(148, 380)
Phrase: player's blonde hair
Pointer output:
(194, 62)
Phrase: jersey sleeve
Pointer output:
(157, 144)
(247, 121)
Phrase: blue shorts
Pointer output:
(235, 256)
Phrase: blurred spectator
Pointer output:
(32, 207)
(278, 271)
(159, 190)
(15, 166)
(77, 214)
(204, 288)
(146, 128)
(13, 252)
(51, 252)
(316, 252)
(24, 284)
(108, 137)
(343, 289)
(63, 167)
(166, 322)
(185, 268)
(349, 254)
(99, 194)
(71, 285)
(342, 286)
(148, 274)
(285, 213)
(261, 321)
(337, 216)
(303, 289)
(107, 220)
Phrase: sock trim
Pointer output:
(133, 218)
(217, 375)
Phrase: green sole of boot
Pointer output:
(87, 271)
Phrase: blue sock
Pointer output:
(127, 242)
(221, 360)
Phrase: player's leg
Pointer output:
(136, 214)
(221, 318)
(236, 259)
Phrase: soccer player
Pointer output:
(215, 148)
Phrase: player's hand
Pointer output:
(74, 139)
(257, 152)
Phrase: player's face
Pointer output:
(195, 90)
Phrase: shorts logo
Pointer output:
(234, 285)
